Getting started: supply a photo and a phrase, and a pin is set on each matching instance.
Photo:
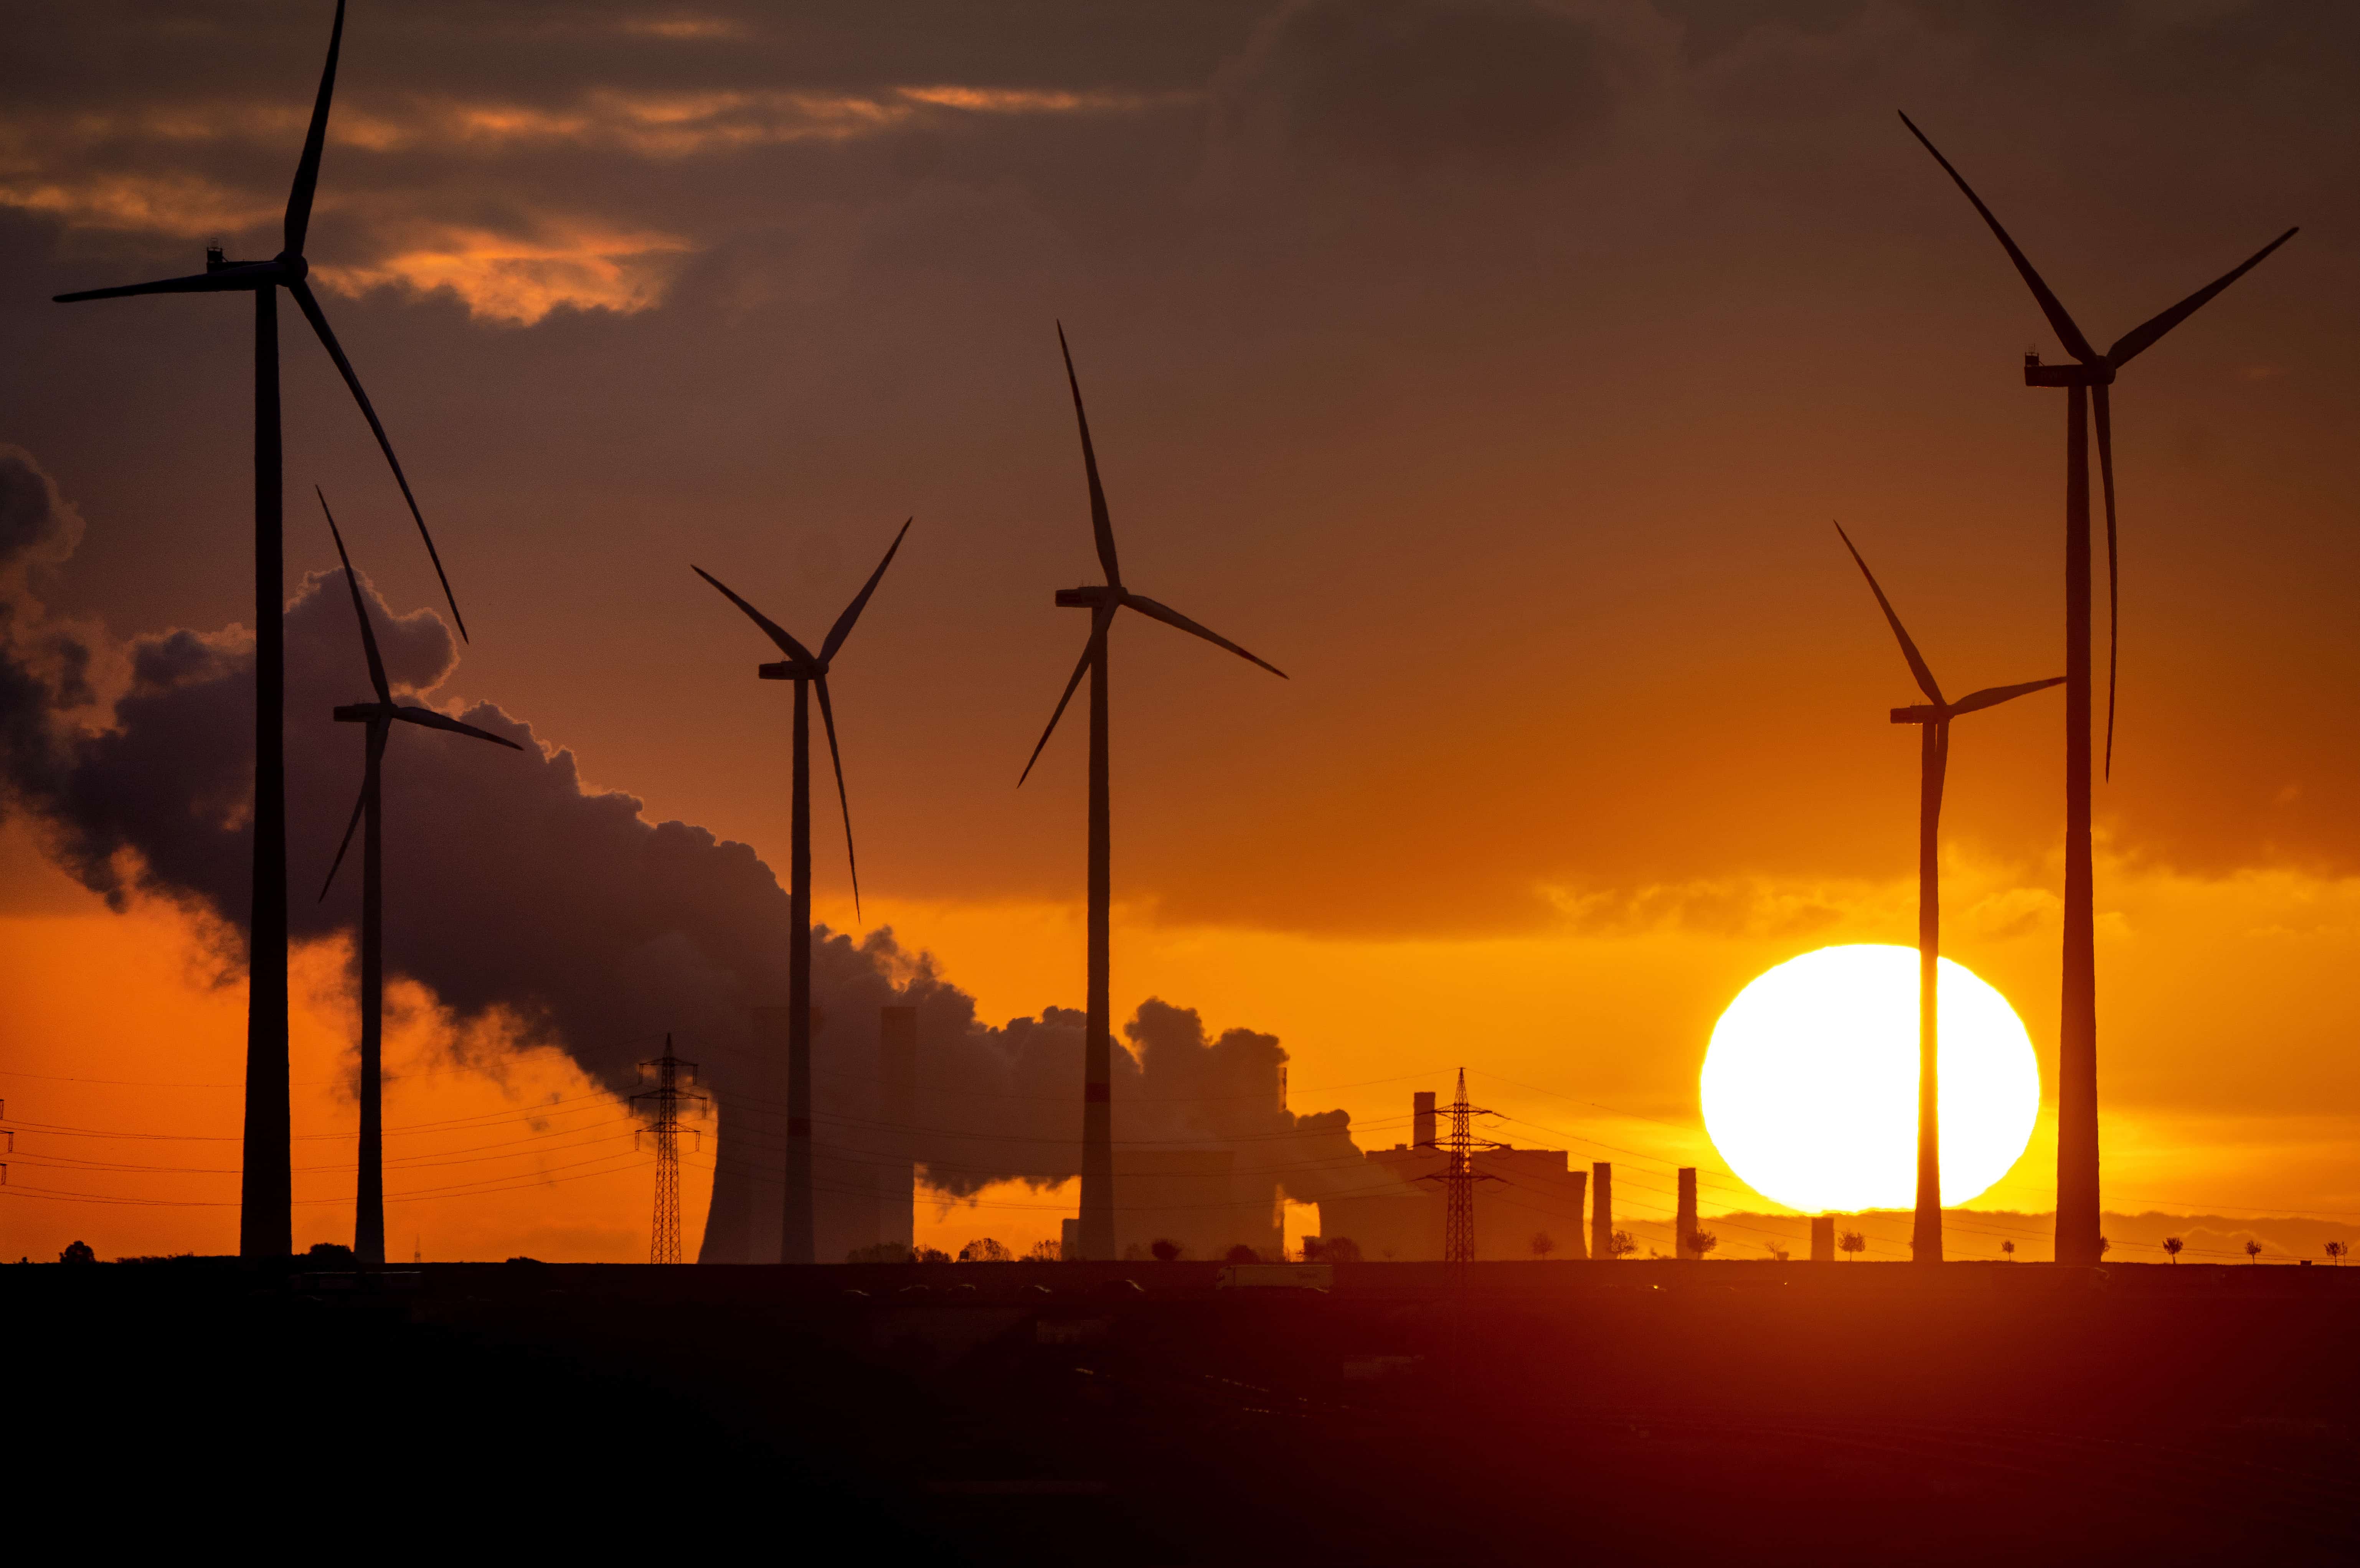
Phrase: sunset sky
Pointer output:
(1494, 368)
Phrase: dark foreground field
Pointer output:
(1631, 1413)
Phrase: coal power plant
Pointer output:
(1442, 1093)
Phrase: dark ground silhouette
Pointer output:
(1631, 1413)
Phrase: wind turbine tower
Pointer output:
(265, 1196)
(1933, 718)
(2088, 384)
(808, 670)
(1103, 600)
(380, 716)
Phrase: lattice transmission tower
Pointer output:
(1459, 1177)
(664, 1101)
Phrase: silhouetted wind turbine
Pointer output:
(264, 1216)
(2077, 1079)
(1933, 717)
(1097, 1048)
(368, 1214)
(798, 1235)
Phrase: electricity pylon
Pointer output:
(1459, 1177)
(665, 1100)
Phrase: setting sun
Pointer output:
(1810, 1084)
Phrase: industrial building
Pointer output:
(1519, 1194)
(863, 1176)
(1195, 1198)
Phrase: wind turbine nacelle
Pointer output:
(784, 670)
(357, 714)
(2038, 374)
(1089, 598)
(1920, 714)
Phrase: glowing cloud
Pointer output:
(506, 278)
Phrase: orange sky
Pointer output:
(1494, 368)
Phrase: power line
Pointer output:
(665, 1100)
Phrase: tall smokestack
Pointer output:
(1684, 1235)
(1421, 1113)
(897, 1107)
(1601, 1211)
(1823, 1238)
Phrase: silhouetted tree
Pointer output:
(77, 1252)
(2336, 1250)
(1851, 1244)
(1542, 1245)
(331, 1253)
(1166, 1251)
(1331, 1249)
(2253, 1250)
(1777, 1253)
(930, 1255)
(1241, 1253)
(1702, 1241)
(1046, 1252)
(985, 1250)
(1620, 1245)
(2171, 1246)
(883, 1252)
(2105, 1245)
(2007, 1250)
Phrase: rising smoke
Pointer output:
(560, 914)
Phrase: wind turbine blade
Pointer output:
(368, 638)
(2050, 306)
(359, 805)
(2141, 338)
(1172, 617)
(2114, 566)
(311, 312)
(228, 280)
(1100, 617)
(1909, 650)
(1102, 526)
(307, 169)
(843, 628)
(1993, 696)
(777, 633)
(428, 719)
(828, 718)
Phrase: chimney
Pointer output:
(1422, 1119)
(1823, 1238)
(1578, 1190)
(775, 1236)
(1601, 1211)
(1683, 1246)
(897, 1107)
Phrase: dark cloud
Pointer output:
(1536, 340)
(558, 912)
(1489, 88)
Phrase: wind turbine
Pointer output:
(1933, 718)
(2086, 381)
(380, 716)
(265, 1219)
(1098, 1046)
(798, 1238)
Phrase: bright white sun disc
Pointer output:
(1810, 1084)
